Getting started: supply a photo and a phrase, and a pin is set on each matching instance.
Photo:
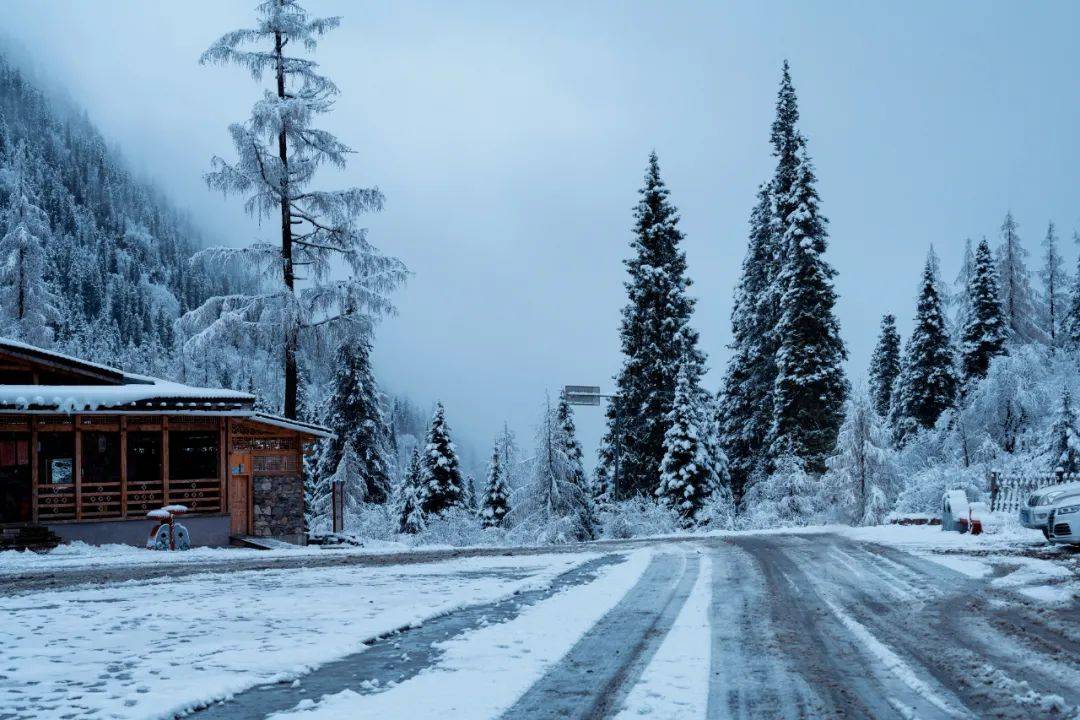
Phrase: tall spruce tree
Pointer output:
(983, 336)
(1054, 282)
(1071, 321)
(958, 303)
(355, 415)
(746, 397)
(652, 339)
(1018, 300)
(687, 473)
(810, 388)
(927, 384)
(496, 505)
(411, 497)
(885, 366)
(441, 485)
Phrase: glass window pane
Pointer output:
(193, 455)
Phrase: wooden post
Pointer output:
(123, 466)
(223, 461)
(165, 460)
(33, 469)
(77, 462)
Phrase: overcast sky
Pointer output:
(510, 139)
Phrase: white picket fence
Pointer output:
(1008, 493)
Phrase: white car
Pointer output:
(1036, 512)
(1063, 523)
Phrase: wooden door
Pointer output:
(239, 493)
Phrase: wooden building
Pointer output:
(87, 450)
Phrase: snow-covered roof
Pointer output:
(137, 396)
(30, 352)
(297, 425)
(129, 392)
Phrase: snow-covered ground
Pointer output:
(150, 649)
(1012, 557)
(886, 621)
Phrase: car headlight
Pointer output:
(1067, 510)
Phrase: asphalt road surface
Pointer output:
(802, 626)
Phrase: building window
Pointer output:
(143, 457)
(100, 457)
(193, 455)
(56, 458)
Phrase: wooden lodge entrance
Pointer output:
(16, 484)
(240, 493)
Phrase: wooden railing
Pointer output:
(199, 496)
(1009, 493)
(56, 501)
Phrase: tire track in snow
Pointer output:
(750, 676)
(600, 670)
(394, 657)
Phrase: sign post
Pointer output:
(591, 395)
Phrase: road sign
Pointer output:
(582, 394)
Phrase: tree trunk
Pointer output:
(291, 330)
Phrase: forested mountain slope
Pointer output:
(115, 250)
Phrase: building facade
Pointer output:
(87, 450)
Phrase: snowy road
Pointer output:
(747, 626)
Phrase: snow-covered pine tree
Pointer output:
(787, 496)
(687, 475)
(496, 505)
(1071, 321)
(885, 365)
(958, 303)
(564, 417)
(1063, 449)
(410, 499)
(983, 336)
(27, 302)
(555, 506)
(468, 490)
(927, 384)
(863, 473)
(810, 388)
(354, 413)
(651, 336)
(510, 456)
(442, 486)
(346, 280)
(1054, 282)
(745, 408)
(1018, 301)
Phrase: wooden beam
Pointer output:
(34, 469)
(223, 459)
(123, 466)
(165, 460)
(77, 462)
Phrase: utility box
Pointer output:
(955, 511)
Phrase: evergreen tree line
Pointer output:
(553, 502)
(996, 310)
(783, 394)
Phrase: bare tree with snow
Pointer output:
(322, 275)
(862, 474)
